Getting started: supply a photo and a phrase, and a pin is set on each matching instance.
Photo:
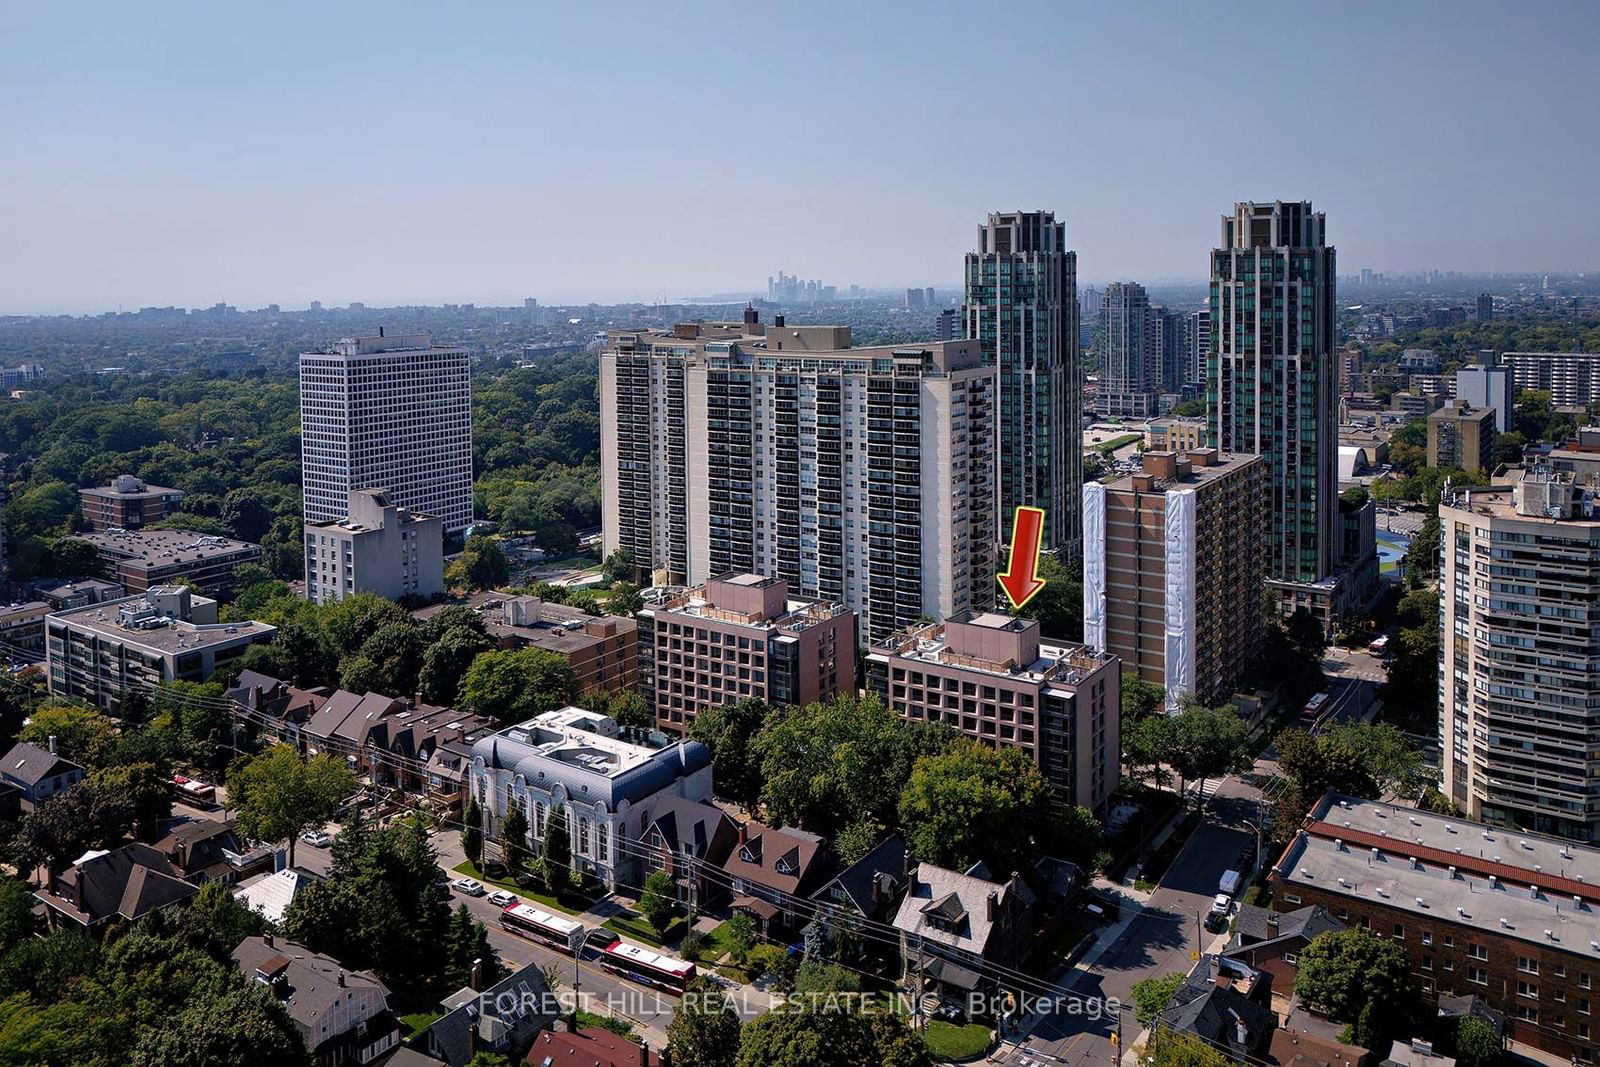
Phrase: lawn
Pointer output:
(417, 1022)
(715, 944)
(634, 926)
(587, 1019)
(947, 1041)
(571, 903)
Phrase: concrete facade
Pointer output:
(1571, 378)
(864, 476)
(394, 412)
(1462, 436)
(100, 652)
(1519, 606)
(1178, 560)
(378, 547)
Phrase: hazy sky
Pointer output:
(174, 153)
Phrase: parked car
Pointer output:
(1217, 917)
(468, 887)
(319, 838)
(503, 898)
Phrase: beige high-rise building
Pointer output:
(864, 476)
(1173, 563)
(1461, 436)
(1519, 702)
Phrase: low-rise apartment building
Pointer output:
(1510, 916)
(143, 559)
(22, 629)
(1462, 436)
(101, 652)
(127, 503)
(602, 650)
(1175, 433)
(1173, 563)
(740, 636)
(604, 776)
(991, 677)
(378, 547)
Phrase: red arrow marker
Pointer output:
(1020, 580)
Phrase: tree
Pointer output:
(486, 563)
(484, 1058)
(622, 598)
(513, 686)
(658, 903)
(447, 660)
(1369, 1030)
(467, 951)
(472, 831)
(740, 934)
(818, 977)
(973, 802)
(246, 515)
(729, 732)
(1508, 447)
(17, 920)
(1340, 971)
(242, 1023)
(83, 817)
(704, 1031)
(1140, 697)
(381, 906)
(629, 709)
(1171, 1048)
(1306, 635)
(1477, 1045)
(1059, 605)
(514, 838)
(1207, 743)
(81, 734)
(396, 650)
(826, 764)
(618, 566)
(349, 622)
(146, 787)
(276, 795)
(810, 1031)
(1151, 996)
(557, 851)
(1146, 746)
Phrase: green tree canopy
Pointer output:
(277, 794)
(973, 802)
(513, 686)
(705, 1029)
(1340, 971)
(730, 732)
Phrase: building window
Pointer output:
(1290, 898)
(1290, 958)
(1478, 952)
(1477, 975)
(1528, 989)
(1427, 937)
(1527, 966)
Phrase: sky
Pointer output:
(188, 153)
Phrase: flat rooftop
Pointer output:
(1056, 662)
(1542, 890)
(583, 739)
(174, 636)
(797, 614)
(30, 607)
(149, 549)
(554, 631)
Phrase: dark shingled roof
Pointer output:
(129, 882)
(28, 765)
(1254, 924)
(1217, 1012)
(886, 864)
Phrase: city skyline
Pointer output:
(175, 163)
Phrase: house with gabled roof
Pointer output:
(38, 773)
(126, 883)
(686, 838)
(501, 1019)
(961, 928)
(772, 868)
(343, 1015)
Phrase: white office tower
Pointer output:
(388, 411)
